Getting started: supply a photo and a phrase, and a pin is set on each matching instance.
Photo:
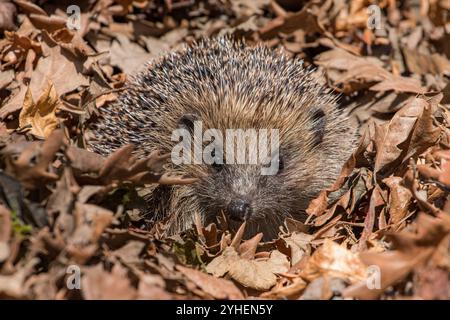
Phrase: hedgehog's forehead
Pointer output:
(259, 124)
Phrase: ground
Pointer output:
(72, 223)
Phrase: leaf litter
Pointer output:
(386, 237)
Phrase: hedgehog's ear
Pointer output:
(320, 121)
(186, 121)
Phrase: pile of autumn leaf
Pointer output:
(63, 208)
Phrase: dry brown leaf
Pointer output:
(220, 265)
(16, 47)
(277, 263)
(333, 260)
(49, 23)
(300, 245)
(12, 286)
(291, 22)
(356, 73)
(127, 55)
(442, 174)
(62, 198)
(217, 288)
(122, 166)
(152, 287)
(29, 162)
(259, 275)
(410, 251)
(91, 221)
(399, 200)
(377, 200)
(63, 71)
(323, 288)
(422, 64)
(29, 7)
(431, 283)
(410, 132)
(5, 232)
(247, 249)
(7, 14)
(99, 284)
(399, 84)
(84, 161)
(129, 253)
(40, 115)
(70, 41)
(6, 77)
(318, 206)
(291, 290)
(252, 274)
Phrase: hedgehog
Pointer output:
(227, 84)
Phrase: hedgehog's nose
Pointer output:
(239, 210)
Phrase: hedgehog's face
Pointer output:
(242, 193)
(307, 161)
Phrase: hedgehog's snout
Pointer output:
(239, 209)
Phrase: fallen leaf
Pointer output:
(291, 22)
(300, 245)
(217, 288)
(410, 132)
(127, 55)
(410, 251)
(335, 261)
(29, 161)
(12, 286)
(399, 200)
(151, 287)
(7, 14)
(40, 115)
(259, 275)
(222, 264)
(253, 274)
(129, 253)
(432, 283)
(99, 284)
(5, 233)
(63, 71)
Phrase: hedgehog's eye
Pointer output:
(217, 166)
(186, 121)
(280, 164)
(319, 121)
